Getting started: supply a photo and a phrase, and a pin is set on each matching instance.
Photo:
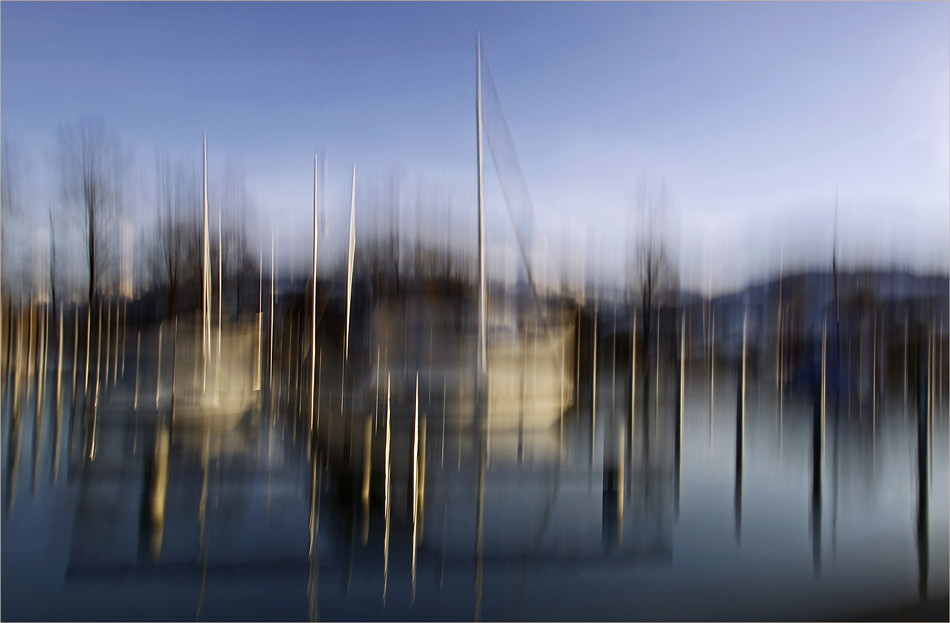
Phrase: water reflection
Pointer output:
(664, 475)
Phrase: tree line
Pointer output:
(407, 234)
(118, 228)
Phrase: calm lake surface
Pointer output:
(182, 519)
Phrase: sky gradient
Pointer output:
(755, 114)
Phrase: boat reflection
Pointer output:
(403, 506)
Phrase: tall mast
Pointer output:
(220, 283)
(349, 266)
(273, 285)
(206, 277)
(313, 322)
(482, 356)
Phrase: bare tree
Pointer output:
(430, 254)
(174, 258)
(52, 261)
(380, 253)
(236, 258)
(92, 167)
(653, 274)
(9, 204)
(391, 242)
(175, 253)
(15, 225)
(401, 235)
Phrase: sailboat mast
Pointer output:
(206, 275)
(482, 356)
(349, 266)
(220, 283)
(313, 321)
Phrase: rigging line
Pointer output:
(520, 236)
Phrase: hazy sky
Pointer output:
(755, 114)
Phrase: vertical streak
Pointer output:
(376, 402)
(323, 171)
(115, 357)
(422, 473)
(656, 396)
(873, 384)
(95, 402)
(313, 317)
(849, 376)
(259, 371)
(445, 383)
(125, 314)
(906, 338)
(633, 384)
(314, 491)
(135, 399)
(930, 400)
(44, 345)
(159, 489)
(10, 335)
(367, 474)
(745, 322)
(593, 400)
(682, 378)
(110, 329)
(613, 371)
(923, 476)
(824, 381)
(42, 332)
(314, 580)
(108, 339)
(75, 354)
(740, 433)
(158, 378)
(206, 278)
(387, 484)
(220, 283)
(201, 589)
(31, 347)
(482, 355)
(174, 371)
(203, 496)
(621, 484)
(13, 453)
(479, 525)
(59, 396)
(415, 486)
(273, 285)
(88, 344)
(217, 366)
(577, 363)
(40, 390)
(350, 254)
(778, 346)
(319, 385)
(523, 386)
(712, 372)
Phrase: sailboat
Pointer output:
(213, 387)
(522, 380)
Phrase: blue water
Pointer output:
(691, 542)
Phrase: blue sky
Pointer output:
(755, 114)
